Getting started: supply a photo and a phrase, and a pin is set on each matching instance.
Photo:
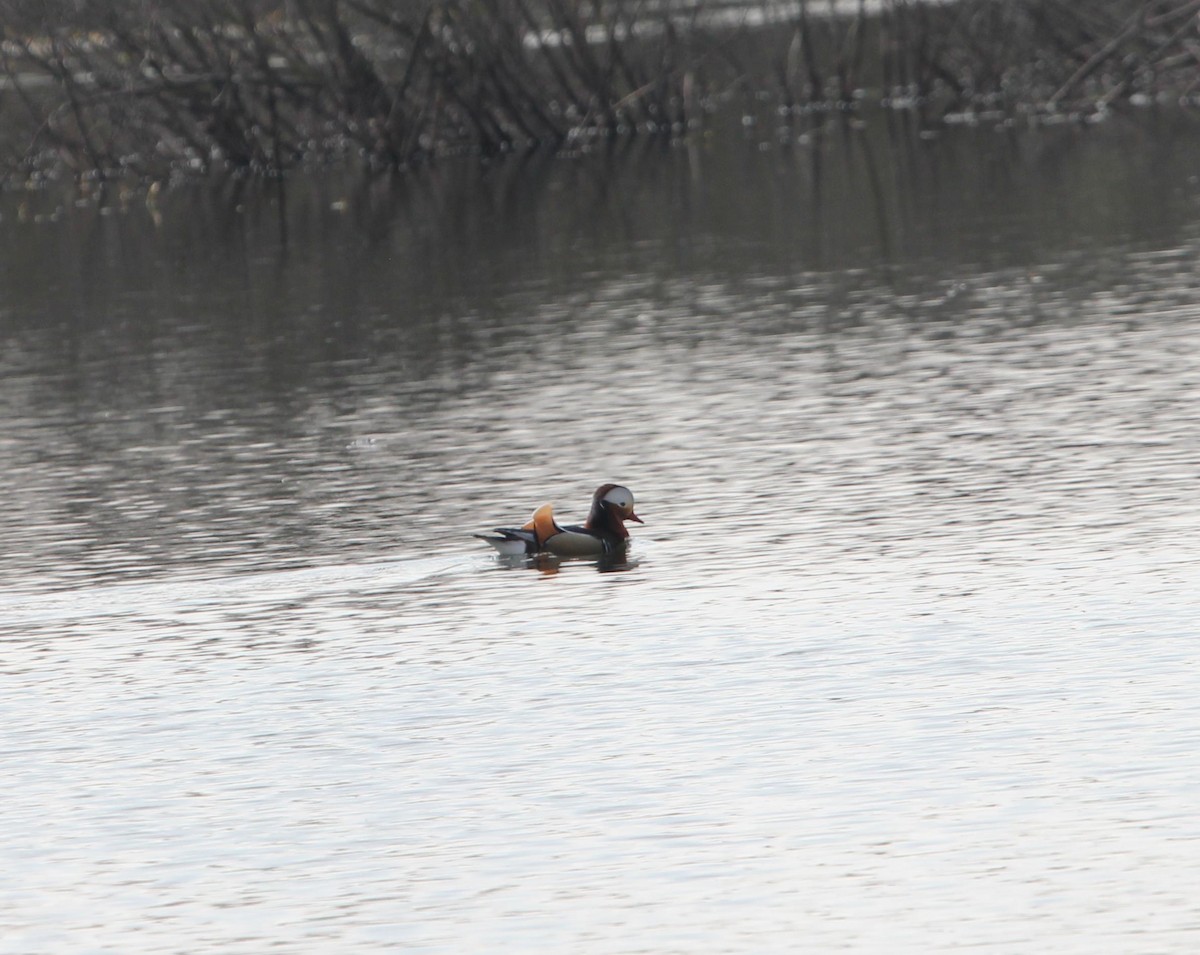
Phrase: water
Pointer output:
(903, 660)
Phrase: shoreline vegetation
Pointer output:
(102, 89)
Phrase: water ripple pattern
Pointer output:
(903, 660)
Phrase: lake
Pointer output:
(904, 658)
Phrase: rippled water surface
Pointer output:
(904, 658)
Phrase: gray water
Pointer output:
(903, 659)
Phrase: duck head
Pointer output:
(612, 506)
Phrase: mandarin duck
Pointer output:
(602, 533)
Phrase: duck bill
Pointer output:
(633, 517)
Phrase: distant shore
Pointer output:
(265, 87)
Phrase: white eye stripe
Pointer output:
(620, 496)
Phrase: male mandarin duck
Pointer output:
(602, 533)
